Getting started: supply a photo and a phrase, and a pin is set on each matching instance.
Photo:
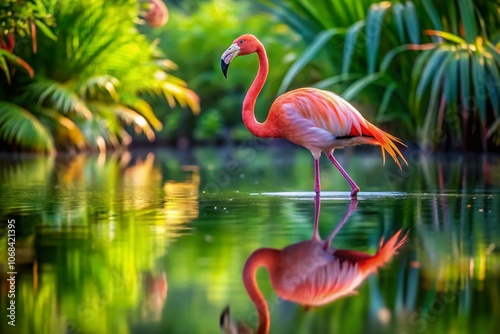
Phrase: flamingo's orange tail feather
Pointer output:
(387, 143)
(388, 249)
(385, 252)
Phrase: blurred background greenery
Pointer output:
(96, 74)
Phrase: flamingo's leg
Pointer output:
(317, 206)
(317, 185)
(354, 186)
(352, 207)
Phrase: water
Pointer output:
(155, 242)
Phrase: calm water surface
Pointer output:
(155, 242)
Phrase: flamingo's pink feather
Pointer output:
(321, 120)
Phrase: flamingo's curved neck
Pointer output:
(256, 128)
(264, 257)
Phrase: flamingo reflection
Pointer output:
(310, 273)
(155, 288)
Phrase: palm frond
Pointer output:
(143, 108)
(116, 116)
(100, 86)
(173, 90)
(59, 96)
(130, 116)
(89, 84)
(65, 128)
(19, 127)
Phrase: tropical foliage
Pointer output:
(408, 58)
(21, 19)
(89, 84)
(322, 25)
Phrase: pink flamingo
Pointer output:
(310, 273)
(319, 120)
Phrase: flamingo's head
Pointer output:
(243, 45)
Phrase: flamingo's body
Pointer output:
(310, 273)
(319, 120)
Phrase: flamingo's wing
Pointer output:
(317, 118)
(324, 284)
(325, 110)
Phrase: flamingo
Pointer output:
(310, 273)
(319, 120)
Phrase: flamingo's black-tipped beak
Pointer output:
(227, 56)
(224, 67)
(225, 318)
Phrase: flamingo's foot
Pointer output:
(354, 192)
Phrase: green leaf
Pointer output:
(482, 24)
(316, 45)
(61, 96)
(72, 131)
(5, 68)
(20, 127)
(454, 22)
(493, 51)
(318, 14)
(17, 61)
(478, 81)
(438, 81)
(418, 67)
(386, 61)
(411, 21)
(467, 14)
(350, 44)
(433, 15)
(46, 30)
(143, 108)
(288, 15)
(387, 98)
(374, 22)
(465, 71)
(360, 84)
(436, 92)
(429, 72)
(98, 86)
(495, 127)
(450, 81)
(399, 117)
(446, 35)
(336, 79)
(493, 85)
(397, 10)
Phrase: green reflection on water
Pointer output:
(156, 242)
